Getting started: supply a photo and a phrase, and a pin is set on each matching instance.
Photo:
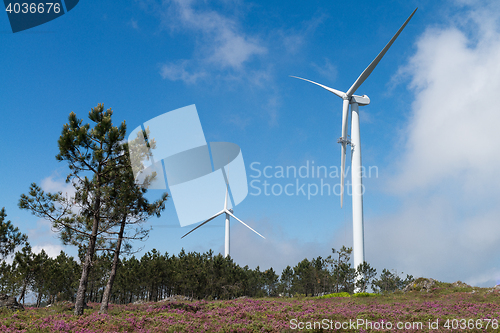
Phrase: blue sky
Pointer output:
(430, 130)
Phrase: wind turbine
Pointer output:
(228, 212)
(355, 101)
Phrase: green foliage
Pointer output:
(390, 281)
(10, 236)
(108, 207)
(9, 279)
(462, 289)
(23, 261)
(155, 276)
(342, 294)
(286, 282)
(51, 279)
(94, 156)
(270, 282)
(365, 294)
(365, 275)
(303, 277)
(61, 275)
(342, 273)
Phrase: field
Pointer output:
(444, 309)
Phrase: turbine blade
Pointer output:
(375, 62)
(345, 116)
(246, 225)
(225, 200)
(210, 219)
(335, 91)
(342, 176)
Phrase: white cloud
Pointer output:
(53, 185)
(327, 70)
(42, 233)
(272, 107)
(52, 250)
(276, 251)
(427, 237)
(42, 237)
(229, 47)
(178, 71)
(220, 42)
(294, 40)
(454, 127)
(447, 178)
(133, 23)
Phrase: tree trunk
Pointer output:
(39, 300)
(23, 291)
(91, 294)
(112, 275)
(82, 288)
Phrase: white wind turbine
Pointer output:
(228, 212)
(357, 191)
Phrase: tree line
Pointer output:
(208, 276)
(106, 214)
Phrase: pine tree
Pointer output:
(127, 209)
(40, 278)
(342, 272)
(10, 236)
(366, 274)
(270, 282)
(92, 155)
(304, 277)
(24, 264)
(286, 282)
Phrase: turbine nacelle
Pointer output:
(361, 100)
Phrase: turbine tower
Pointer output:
(357, 187)
(229, 213)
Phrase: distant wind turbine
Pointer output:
(357, 192)
(228, 212)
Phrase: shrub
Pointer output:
(343, 294)
(364, 295)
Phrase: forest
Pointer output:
(156, 276)
(106, 214)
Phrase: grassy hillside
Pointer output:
(445, 308)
